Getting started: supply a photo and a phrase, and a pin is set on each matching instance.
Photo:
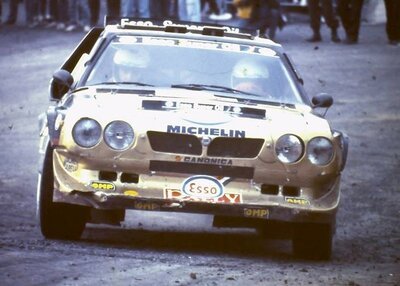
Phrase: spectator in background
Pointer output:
(135, 8)
(215, 10)
(244, 11)
(393, 21)
(189, 10)
(350, 14)
(268, 16)
(326, 10)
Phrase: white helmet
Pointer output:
(130, 63)
(250, 75)
(135, 58)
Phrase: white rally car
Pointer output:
(186, 118)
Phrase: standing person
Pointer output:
(350, 14)
(326, 10)
(135, 8)
(393, 21)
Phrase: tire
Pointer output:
(57, 220)
(313, 241)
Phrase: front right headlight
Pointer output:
(86, 132)
(320, 151)
(289, 148)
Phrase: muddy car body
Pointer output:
(190, 131)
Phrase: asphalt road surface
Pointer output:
(176, 249)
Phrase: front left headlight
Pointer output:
(86, 132)
(118, 135)
(320, 151)
(289, 148)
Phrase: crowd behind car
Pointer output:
(263, 16)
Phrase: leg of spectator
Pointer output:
(143, 8)
(94, 7)
(315, 20)
(331, 19)
(127, 8)
(13, 12)
(114, 8)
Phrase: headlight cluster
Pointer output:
(118, 135)
(289, 149)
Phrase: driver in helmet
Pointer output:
(251, 75)
(130, 64)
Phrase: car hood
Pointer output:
(194, 112)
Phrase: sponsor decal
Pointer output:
(131, 193)
(226, 198)
(203, 187)
(146, 206)
(256, 212)
(104, 186)
(213, 161)
(70, 165)
(206, 131)
(297, 201)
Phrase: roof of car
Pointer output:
(187, 30)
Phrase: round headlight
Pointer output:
(86, 132)
(289, 148)
(118, 135)
(320, 151)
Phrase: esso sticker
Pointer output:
(204, 187)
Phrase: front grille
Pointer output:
(174, 143)
(235, 147)
(227, 147)
(202, 169)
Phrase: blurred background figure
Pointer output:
(216, 10)
(267, 15)
(244, 12)
(316, 9)
(393, 21)
(114, 8)
(350, 15)
(135, 8)
(189, 10)
(78, 15)
(162, 9)
(12, 12)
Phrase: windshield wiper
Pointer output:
(125, 82)
(194, 86)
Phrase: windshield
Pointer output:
(227, 69)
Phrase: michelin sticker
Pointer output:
(203, 187)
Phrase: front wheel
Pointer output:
(57, 220)
(313, 241)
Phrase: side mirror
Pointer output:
(322, 100)
(60, 84)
